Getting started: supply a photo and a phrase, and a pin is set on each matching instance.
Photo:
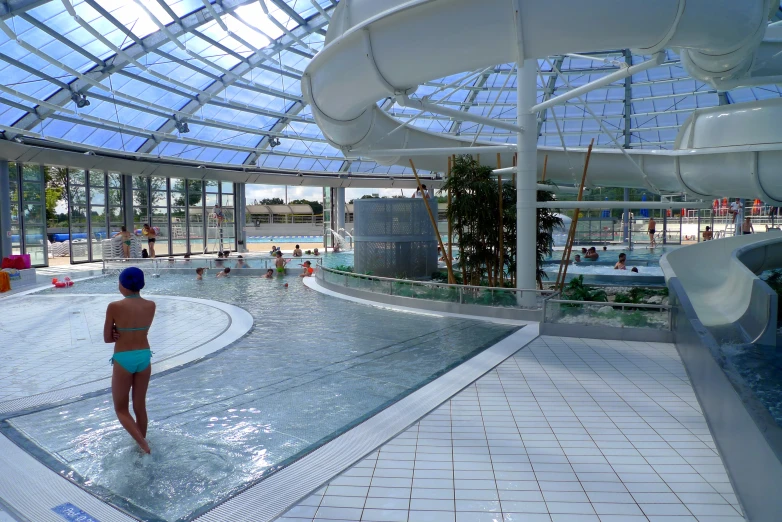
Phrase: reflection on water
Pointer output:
(310, 367)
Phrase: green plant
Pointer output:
(343, 268)
(635, 320)
(474, 211)
(576, 290)
(774, 280)
(623, 298)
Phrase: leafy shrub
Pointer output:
(343, 268)
(635, 320)
(576, 290)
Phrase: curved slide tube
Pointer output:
(730, 292)
(377, 49)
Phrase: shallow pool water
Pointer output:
(311, 367)
(588, 268)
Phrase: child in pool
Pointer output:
(269, 274)
(280, 264)
(307, 269)
(223, 273)
(199, 274)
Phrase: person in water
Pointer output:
(280, 263)
(621, 265)
(578, 259)
(240, 263)
(269, 274)
(634, 270)
(297, 252)
(223, 273)
(127, 325)
(126, 239)
(307, 269)
(199, 274)
(151, 235)
(315, 252)
(592, 254)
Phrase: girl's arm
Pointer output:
(108, 326)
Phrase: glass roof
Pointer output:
(214, 80)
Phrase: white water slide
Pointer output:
(377, 49)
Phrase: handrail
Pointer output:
(435, 284)
(613, 305)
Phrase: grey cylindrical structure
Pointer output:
(394, 237)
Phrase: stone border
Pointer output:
(318, 286)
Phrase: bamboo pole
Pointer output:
(449, 254)
(434, 221)
(501, 274)
(545, 167)
(563, 266)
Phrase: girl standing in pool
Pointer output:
(151, 235)
(127, 325)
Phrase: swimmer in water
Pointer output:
(635, 270)
(127, 325)
(269, 274)
(223, 273)
(307, 269)
(199, 274)
(621, 264)
(315, 252)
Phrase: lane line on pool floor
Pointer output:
(270, 498)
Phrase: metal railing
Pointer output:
(434, 291)
(554, 310)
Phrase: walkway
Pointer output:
(566, 430)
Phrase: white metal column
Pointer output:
(5, 210)
(340, 222)
(526, 180)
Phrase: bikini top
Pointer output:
(140, 328)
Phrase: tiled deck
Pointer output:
(566, 430)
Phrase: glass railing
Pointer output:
(442, 292)
(616, 315)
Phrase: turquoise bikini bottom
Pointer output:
(133, 361)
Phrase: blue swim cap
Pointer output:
(132, 278)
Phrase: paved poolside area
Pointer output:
(566, 430)
(51, 342)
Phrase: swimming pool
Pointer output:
(285, 239)
(310, 368)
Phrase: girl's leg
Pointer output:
(121, 382)
(140, 385)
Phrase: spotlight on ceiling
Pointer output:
(182, 126)
(274, 141)
(80, 99)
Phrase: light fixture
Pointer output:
(273, 141)
(80, 99)
(181, 126)
(18, 139)
(89, 153)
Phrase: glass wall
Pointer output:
(16, 224)
(28, 212)
(178, 210)
(88, 207)
(195, 216)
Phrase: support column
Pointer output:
(127, 202)
(5, 210)
(526, 180)
(626, 218)
(241, 217)
(739, 218)
(340, 221)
